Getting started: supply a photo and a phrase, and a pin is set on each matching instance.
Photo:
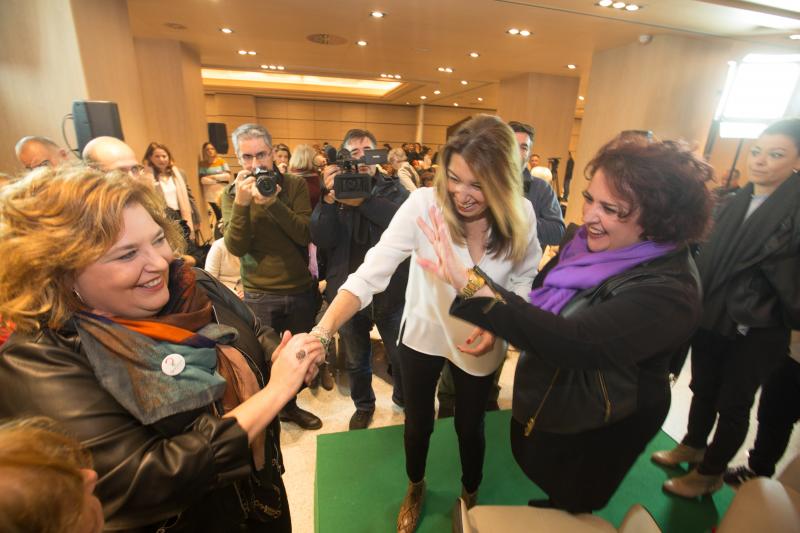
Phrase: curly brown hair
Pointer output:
(663, 182)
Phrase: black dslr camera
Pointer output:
(266, 181)
(350, 183)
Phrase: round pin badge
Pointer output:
(173, 364)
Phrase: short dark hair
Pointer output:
(357, 133)
(789, 127)
(521, 127)
(664, 181)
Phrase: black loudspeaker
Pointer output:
(95, 119)
(218, 136)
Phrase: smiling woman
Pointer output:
(160, 371)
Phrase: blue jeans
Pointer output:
(355, 336)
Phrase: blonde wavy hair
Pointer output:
(55, 222)
(489, 147)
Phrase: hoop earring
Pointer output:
(78, 295)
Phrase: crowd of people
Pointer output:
(146, 394)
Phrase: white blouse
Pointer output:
(170, 191)
(427, 326)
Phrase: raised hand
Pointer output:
(447, 266)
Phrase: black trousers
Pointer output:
(420, 374)
(778, 411)
(726, 373)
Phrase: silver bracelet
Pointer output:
(323, 335)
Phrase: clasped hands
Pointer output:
(449, 268)
(297, 359)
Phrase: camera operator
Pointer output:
(266, 217)
(345, 229)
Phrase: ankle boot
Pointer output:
(693, 484)
(680, 454)
(470, 498)
(411, 509)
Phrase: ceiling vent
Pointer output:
(326, 38)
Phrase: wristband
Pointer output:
(323, 335)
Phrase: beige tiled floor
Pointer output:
(335, 409)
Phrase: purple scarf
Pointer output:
(579, 269)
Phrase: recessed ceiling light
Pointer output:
(795, 37)
(273, 67)
(377, 14)
(455, 104)
(281, 67)
(397, 76)
(464, 82)
(437, 91)
(512, 31)
(361, 43)
(251, 52)
(605, 3)
(480, 99)
(423, 97)
(632, 7)
(474, 54)
(226, 30)
(571, 66)
(264, 66)
(524, 33)
(407, 103)
(448, 70)
(618, 5)
(581, 98)
(242, 52)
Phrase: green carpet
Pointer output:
(361, 482)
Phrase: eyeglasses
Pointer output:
(260, 156)
(134, 171)
(45, 163)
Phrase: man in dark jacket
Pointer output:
(345, 229)
(549, 221)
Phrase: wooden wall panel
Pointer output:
(272, 108)
(301, 109)
(301, 129)
(239, 105)
(327, 111)
(353, 112)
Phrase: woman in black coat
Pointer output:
(602, 322)
(750, 269)
(159, 370)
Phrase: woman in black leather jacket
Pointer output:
(159, 370)
(602, 322)
(750, 268)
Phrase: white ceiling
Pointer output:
(417, 36)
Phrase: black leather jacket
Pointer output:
(634, 323)
(751, 269)
(193, 464)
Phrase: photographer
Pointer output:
(345, 229)
(267, 226)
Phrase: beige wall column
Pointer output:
(670, 86)
(105, 40)
(174, 104)
(545, 102)
(41, 71)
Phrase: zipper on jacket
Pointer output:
(605, 396)
(532, 421)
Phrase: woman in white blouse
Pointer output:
(224, 266)
(169, 182)
(479, 191)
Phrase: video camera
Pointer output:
(350, 183)
(266, 181)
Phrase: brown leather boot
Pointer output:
(680, 454)
(470, 498)
(693, 484)
(411, 509)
